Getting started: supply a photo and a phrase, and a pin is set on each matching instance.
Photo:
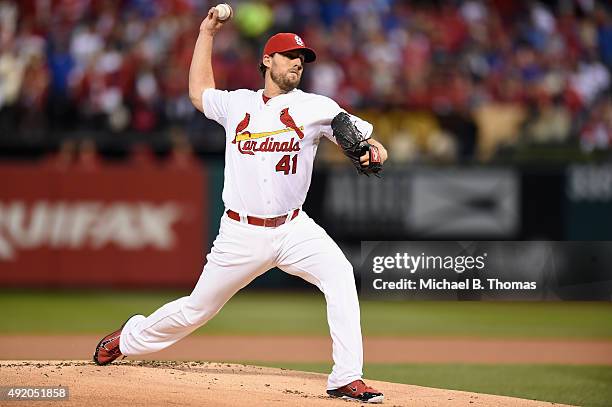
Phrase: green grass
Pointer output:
(577, 385)
(257, 313)
(260, 313)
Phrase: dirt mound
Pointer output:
(312, 349)
(150, 383)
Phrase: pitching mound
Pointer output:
(214, 384)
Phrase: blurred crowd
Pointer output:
(441, 80)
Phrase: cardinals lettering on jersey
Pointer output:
(248, 143)
(268, 146)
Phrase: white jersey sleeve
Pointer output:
(215, 104)
(330, 109)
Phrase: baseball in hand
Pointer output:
(224, 10)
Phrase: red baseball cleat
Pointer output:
(108, 348)
(358, 391)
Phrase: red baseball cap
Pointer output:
(283, 42)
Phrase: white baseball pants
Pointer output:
(240, 253)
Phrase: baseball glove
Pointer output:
(354, 144)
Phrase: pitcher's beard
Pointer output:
(283, 82)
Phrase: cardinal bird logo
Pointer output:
(288, 121)
(244, 123)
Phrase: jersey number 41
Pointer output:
(287, 164)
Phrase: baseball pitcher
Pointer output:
(272, 136)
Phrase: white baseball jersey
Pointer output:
(270, 147)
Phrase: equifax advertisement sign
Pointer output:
(116, 226)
